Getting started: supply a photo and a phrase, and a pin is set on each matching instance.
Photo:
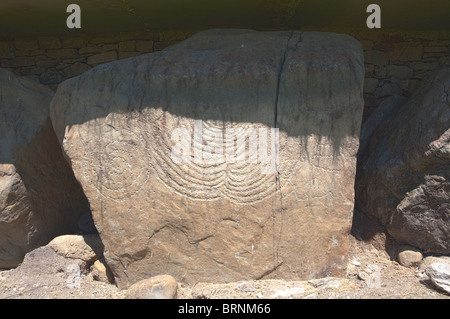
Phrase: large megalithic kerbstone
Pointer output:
(228, 156)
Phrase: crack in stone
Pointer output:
(268, 272)
(280, 71)
(283, 58)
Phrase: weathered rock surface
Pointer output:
(409, 256)
(228, 218)
(101, 272)
(158, 287)
(45, 262)
(386, 108)
(439, 274)
(39, 196)
(403, 177)
(46, 274)
(427, 261)
(87, 248)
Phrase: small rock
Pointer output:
(409, 256)
(388, 88)
(76, 69)
(327, 282)
(285, 293)
(283, 289)
(158, 287)
(245, 287)
(400, 72)
(439, 274)
(362, 275)
(51, 76)
(376, 57)
(88, 248)
(101, 272)
(427, 261)
(73, 273)
(371, 275)
(102, 57)
(356, 263)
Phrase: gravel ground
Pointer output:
(371, 274)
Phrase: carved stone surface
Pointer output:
(155, 142)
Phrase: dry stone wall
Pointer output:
(395, 61)
(54, 59)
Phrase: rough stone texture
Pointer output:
(46, 262)
(49, 43)
(388, 88)
(6, 50)
(39, 196)
(412, 57)
(376, 57)
(51, 76)
(144, 46)
(102, 58)
(400, 72)
(226, 221)
(403, 177)
(407, 51)
(370, 85)
(101, 272)
(87, 248)
(62, 54)
(409, 256)
(427, 261)
(26, 44)
(379, 46)
(44, 274)
(439, 274)
(158, 287)
(381, 113)
(20, 61)
(75, 69)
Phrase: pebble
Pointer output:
(158, 287)
(245, 287)
(409, 256)
(356, 263)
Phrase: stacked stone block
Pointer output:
(54, 59)
(395, 61)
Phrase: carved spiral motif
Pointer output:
(116, 164)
